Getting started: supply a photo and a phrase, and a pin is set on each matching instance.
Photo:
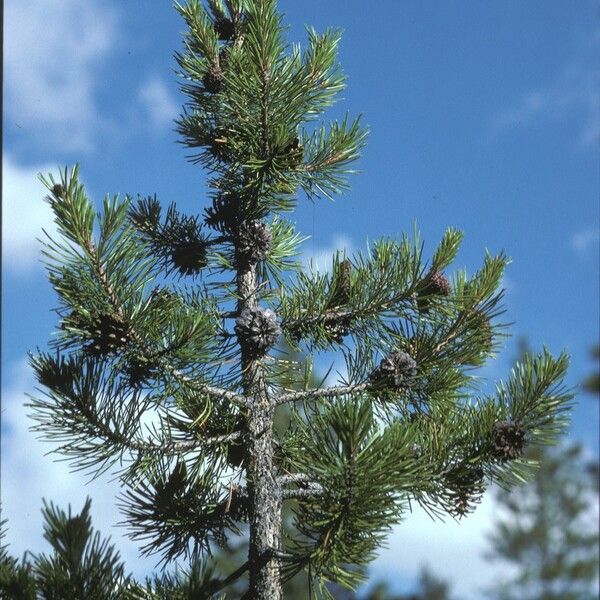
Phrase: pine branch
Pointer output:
(321, 393)
(214, 392)
(307, 487)
(303, 493)
(175, 448)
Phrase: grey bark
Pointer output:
(263, 487)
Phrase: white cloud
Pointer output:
(508, 284)
(53, 50)
(453, 550)
(573, 93)
(321, 257)
(28, 475)
(583, 240)
(24, 214)
(158, 103)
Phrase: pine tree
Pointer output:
(548, 531)
(164, 364)
(82, 565)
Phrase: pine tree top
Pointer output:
(167, 363)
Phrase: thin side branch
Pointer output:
(293, 478)
(176, 447)
(309, 488)
(314, 394)
(215, 392)
(309, 492)
(326, 315)
(329, 314)
(223, 583)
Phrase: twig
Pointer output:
(293, 478)
(330, 392)
(309, 492)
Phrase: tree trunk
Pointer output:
(264, 492)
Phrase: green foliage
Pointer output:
(164, 513)
(362, 471)
(150, 375)
(16, 578)
(195, 583)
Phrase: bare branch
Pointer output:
(314, 394)
(305, 493)
(215, 392)
(176, 447)
(309, 487)
(327, 315)
(293, 478)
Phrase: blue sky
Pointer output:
(484, 116)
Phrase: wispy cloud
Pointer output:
(25, 215)
(574, 93)
(53, 51)
(320, 258)
(586, 239)
(158, 103)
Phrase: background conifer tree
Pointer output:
(592, 381)
(165, 364)
(548, 531)
(545, 531)
(429, 587)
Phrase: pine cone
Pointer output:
(213, 80)
(338, 326)
(189, 257)
(436, 284)
(396, 372)
(508, 440)
(109, 334)
(466, 486)
(258, 329)
(58, 190)
(225, 28)
(254, 242)
(341, 285)
(139, 371)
